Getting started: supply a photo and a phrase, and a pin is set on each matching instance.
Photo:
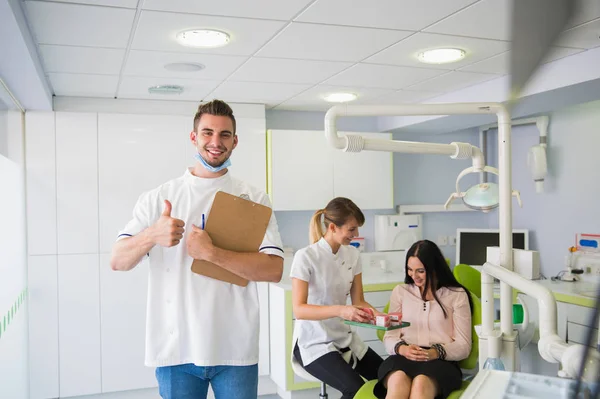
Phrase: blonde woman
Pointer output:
(324, 275)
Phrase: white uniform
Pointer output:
(193, 318)
(329, 278)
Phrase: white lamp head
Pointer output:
(481, 197)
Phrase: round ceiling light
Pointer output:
(184, 67)
(441, 55)
(207, 38)
(165, 89)
(340, 97)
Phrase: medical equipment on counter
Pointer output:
(397, 232)
(551, 347)
(525, 263)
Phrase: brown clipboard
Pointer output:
(235, 224)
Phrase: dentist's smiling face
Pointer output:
(214, 139)
(416, 271)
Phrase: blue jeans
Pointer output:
(187, 381)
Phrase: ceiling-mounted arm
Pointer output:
(357, 143)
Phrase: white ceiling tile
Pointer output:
(453, 81)
(402, 97)
(157, 31)
(287, 71)
(88, 60)
(499, 64)
(584, 36)
(256, 92)
(152, 64)
(313, 99)
(333, 43)
(405, 52)
(110, 3)
(137, 87)
(391, 14)
(383, 76)
(79, 25)
(488, 19)
(80, 85)
(264, 9)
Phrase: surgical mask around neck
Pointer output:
(211, 168)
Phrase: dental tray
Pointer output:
(367, 325)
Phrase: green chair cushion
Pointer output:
(366, 391)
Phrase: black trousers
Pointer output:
(333, 370)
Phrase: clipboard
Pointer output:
(235, 224)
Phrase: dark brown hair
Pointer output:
(337, 211)
(216, 108)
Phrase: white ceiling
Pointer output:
(286, 54)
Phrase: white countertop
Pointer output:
(578, 292)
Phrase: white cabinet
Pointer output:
(305, 173)
(43, 327)
(77, 182)
(123, 327)
(40, 150)
(365, 177)
(79, 325)
(300, 170)
(136, 153)
(263, 338)
(249, 159)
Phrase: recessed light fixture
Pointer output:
(340, 97)
(441, 55)
(184, 67)
(165, 89)
(207, 38)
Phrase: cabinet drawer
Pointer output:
(579, 314)
(576, 333)
(378, 299)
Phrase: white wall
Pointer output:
(13, 267)
(569, 204)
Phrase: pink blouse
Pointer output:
(427, 323)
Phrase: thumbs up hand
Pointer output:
(167, 231)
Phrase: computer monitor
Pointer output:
(471, 244)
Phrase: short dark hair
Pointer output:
(216, 108)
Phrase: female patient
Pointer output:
(423, 361)
(323, 275)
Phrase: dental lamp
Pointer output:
(483, 197)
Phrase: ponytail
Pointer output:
(337, 211)
(316, 227)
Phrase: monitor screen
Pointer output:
(471, 244)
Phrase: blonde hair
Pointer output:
(337, 211)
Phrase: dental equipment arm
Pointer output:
(357, 143)
(550, 346)
(353, 143)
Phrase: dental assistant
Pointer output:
(324, 275)
(193, 334)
